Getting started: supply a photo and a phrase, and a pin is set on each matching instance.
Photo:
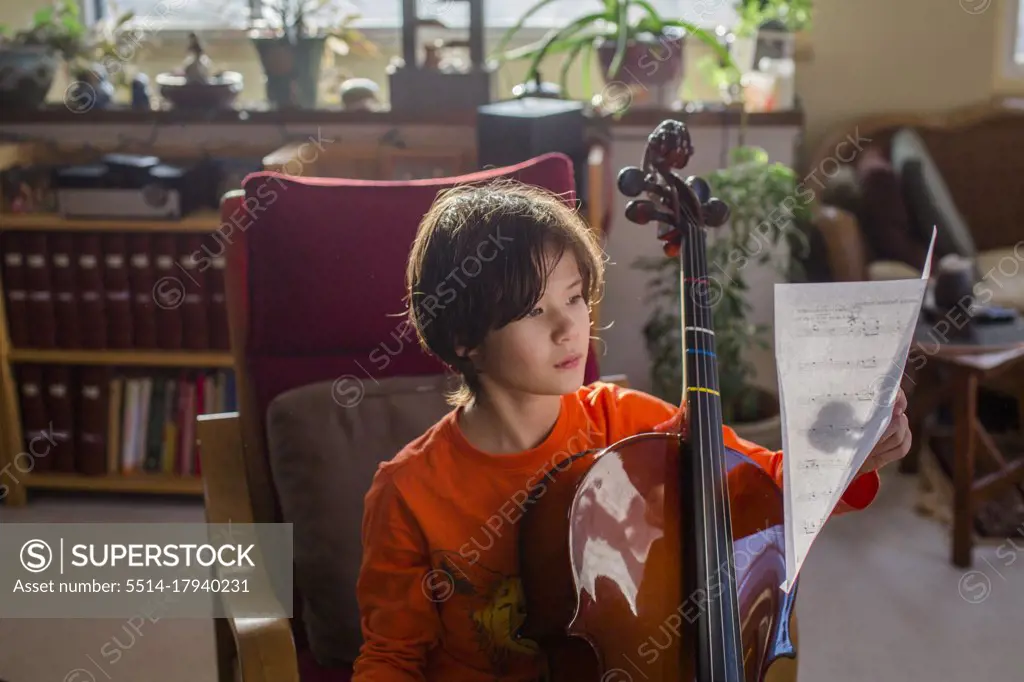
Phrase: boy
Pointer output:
(500, 280)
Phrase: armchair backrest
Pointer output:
(315, 280)
(315, 286)
(969, 147)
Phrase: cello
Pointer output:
(661, 557)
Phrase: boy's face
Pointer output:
(545, 352)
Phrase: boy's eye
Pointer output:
(576, 299)
(535, 312)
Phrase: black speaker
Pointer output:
(516, 130)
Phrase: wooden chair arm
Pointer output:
(222, 453)
(263, 649)
(266, 649)
(844, 243)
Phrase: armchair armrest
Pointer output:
(266, 649)
(248, 649)
(221, 449)
(844, 243)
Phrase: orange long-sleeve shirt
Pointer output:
(442, 509)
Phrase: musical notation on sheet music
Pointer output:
(819, 464)
(816, 495)
(840, 349)
(864, 395)
(811, 526)
(840, 363)
(863, 319)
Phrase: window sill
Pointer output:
(58, 114)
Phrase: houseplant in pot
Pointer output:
(763, 229)
(29, 58)
(635, 46)
(291, 40)
(94, 57)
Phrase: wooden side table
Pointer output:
(950, 369)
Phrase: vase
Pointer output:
(291, 69)
(742, 50)
(649, 76)
(954, 284)
(26, 74)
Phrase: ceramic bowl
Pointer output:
(219, 93)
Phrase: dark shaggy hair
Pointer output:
(478, 263)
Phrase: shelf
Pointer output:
(203, 222)
(122, 483)
(132, 358)
(697, 115)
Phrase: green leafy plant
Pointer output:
(620, 21)
(58, 27)
(793, 15)
(764, 224)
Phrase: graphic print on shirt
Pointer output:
(492, 602)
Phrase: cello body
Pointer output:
(661, 557)
(600, 565)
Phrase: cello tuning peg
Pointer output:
(700, 187)
(716, 212)
(642, 211)
(632, 181)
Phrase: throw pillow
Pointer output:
(883, 215)
(928, 197)
(323, 456)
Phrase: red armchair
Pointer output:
(315, 278)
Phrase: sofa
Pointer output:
(882, 182)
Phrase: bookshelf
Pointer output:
(16, 472)
(154, 358)
(201, 222)
(152, 484)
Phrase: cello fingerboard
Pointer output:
(708, 546)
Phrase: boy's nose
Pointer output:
(565, 328)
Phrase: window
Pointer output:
(155, 15)
(1018, 44)
(189, 14)
(1010, 42)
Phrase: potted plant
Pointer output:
(29, 58)
(635, 45)
(291, 41)
(764, 228)
(93, 56)
(792, 15)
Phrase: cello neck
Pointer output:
(710, 542)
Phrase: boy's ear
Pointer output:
(463, 352)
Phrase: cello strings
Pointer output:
(706, 399)
(713, 417)
(695, 277)
(721, 500)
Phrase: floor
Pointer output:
(879, 601)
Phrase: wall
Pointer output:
(879, 56)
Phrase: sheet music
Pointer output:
(840, 349)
